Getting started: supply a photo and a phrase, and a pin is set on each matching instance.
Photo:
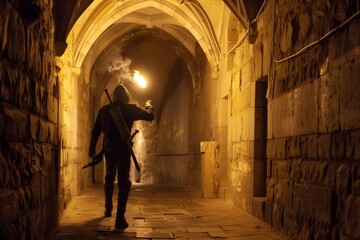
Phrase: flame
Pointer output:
(140, 79)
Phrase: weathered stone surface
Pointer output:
(270, 189)
(352, 221)
(305, 109)
(9, 205)
(284, 194)
(349, 96)
(281, 169)
(353, 145)
(338, 145)
(25, 68)
(16, 124)
(284, 116)
(343, 179)
(33, 128)
(52, 109)
(276, 148)
(43, 131)
(324, 147)
(4, 173)
(312, 146)
(24, 92)
(314, 202)
(16, 37)
(329, 102)
(19, 158)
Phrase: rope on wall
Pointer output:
(319, 40)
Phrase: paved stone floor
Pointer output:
(160, 212)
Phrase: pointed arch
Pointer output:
(102, 14)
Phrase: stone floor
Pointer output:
(160, 212)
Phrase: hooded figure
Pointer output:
(117, 155)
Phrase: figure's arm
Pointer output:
(147, 114)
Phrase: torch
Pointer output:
(141, 81)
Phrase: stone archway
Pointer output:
(101, 15)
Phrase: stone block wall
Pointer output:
(74, 129)
(314, 128)
(28, 121)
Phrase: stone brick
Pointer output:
(284, 116)
(353, 145)
(269, 167)
(24, 92)
(293, 147)
(343, 179)
(295, 170)
(53, 134)
(52, 109)
(312, 147)
(349, 96)
(338, 145)
(290, 227)
(282, 70)
(49, 156)
(270, 189)
(303, 147)
(34, 223)
(324, 147)
(19, 158)
(306, 109)
(284, 193)
(289, 148)
(16, 125)
(325, 205)
(270, 119)
(314, 202)
(2, 120)
(329, 102)
(43, 135)
(281, 169)
(9, 206)
(280, 148)
(329, 176)
(309, 173)
(33, 127)
(278, 216)
(268, 212)
(356, 186)
(4, 172)
(16, 38)
(258, 208)
(352, 213)
(270, 149)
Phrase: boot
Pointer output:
(120, 221)
(109, 189)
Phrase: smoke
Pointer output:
(120, 67)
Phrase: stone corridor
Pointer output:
(256, 101)
(160, 212)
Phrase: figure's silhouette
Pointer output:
(116, 150)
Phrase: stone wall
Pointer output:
(74, 129)
(314, 128)
(28, 121)
(249, 64)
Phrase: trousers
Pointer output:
(117, 161)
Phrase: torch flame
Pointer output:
(140, 79)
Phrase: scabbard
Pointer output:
(133, 156)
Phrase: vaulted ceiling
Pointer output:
(66, 13)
